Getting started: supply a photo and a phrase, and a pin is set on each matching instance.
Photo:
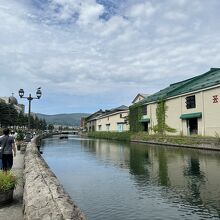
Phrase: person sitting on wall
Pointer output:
(9, 149)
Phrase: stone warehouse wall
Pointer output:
(44, 197)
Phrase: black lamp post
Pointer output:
(30, 98)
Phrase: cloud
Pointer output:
(173, 15)
(89, 13)
(106, 49)
(141, 10)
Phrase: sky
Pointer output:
(88, 55)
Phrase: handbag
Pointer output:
(3, 147)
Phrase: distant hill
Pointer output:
(63, 119)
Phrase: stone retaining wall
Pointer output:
(44, 197)
(211, 146)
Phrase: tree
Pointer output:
(10, 117)
(37, 123)
(50, 127)
(42, 124)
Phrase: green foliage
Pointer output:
(10, 117)
(50, 127)
(121, 136)
(7, 181)
(161, 126)
(161, 117)
(135, 114)
(20, 135)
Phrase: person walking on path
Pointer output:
(9, 149)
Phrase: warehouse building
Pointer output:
(193, 106)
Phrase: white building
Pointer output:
(12, 100)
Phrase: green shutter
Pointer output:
(144, 119)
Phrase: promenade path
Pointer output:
(14, 211)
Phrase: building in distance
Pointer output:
(13, 101)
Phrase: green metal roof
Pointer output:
(208, 79)
(191, 115)
(211, 78)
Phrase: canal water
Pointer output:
(116, 180)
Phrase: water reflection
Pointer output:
(183, 183)
(163, 169)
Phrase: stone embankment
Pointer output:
(202, 146)
(44, 197)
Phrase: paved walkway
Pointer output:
(14, 211)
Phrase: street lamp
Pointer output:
(30, 98)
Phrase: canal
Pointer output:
(116, 180)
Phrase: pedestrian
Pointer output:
(8, 143)
(14, 136)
